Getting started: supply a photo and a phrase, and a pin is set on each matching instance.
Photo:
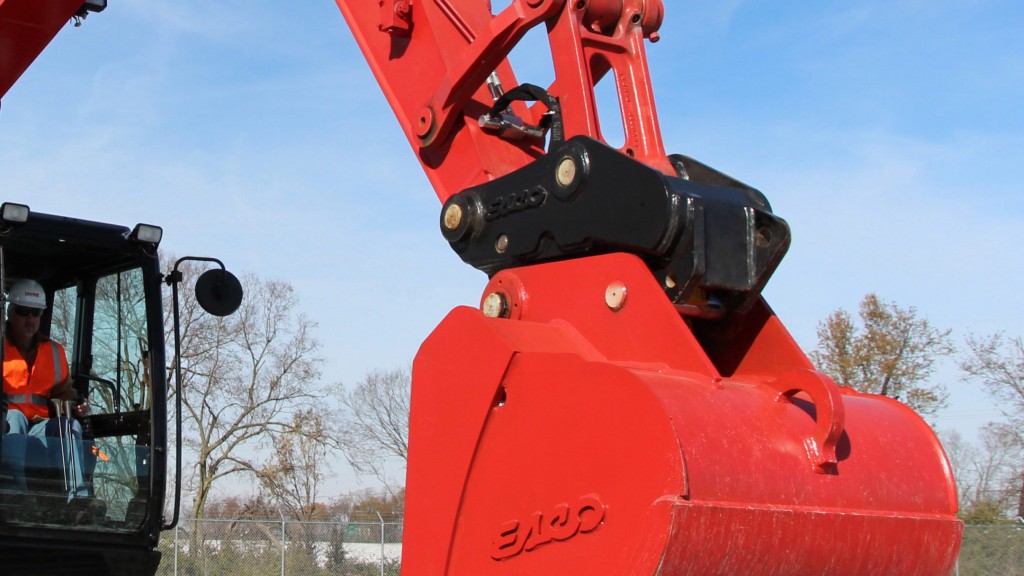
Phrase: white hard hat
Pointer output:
(27, 293)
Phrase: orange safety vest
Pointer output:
(28, 389)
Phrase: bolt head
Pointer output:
(495, 305)
(615, 295)
(425, 122)
(566, 172)
(452, 216)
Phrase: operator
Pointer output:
(35, 373)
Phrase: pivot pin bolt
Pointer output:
(452, 216)
(495, 305)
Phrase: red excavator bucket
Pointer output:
(587, 430)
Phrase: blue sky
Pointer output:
(889, 134)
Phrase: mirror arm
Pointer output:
(174, 278)
(223, 308)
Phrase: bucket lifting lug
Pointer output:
(830, 416)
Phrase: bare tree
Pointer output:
(997, 363)
(375, 423)
(986, 474)
(892, 353)
(244, 378)
(294, 476)
(961, 454)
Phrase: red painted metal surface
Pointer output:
(573, 438)
(26, 27)
(432, 63)
(593, 429)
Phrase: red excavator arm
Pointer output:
(433, 61)
(28, 26)
(623, 401)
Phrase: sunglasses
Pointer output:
(23, 312)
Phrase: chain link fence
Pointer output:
(217, 547)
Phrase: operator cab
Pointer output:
(104, 305)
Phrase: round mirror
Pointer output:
(219, 292)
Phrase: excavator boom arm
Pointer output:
(28, 26)
(433, 59)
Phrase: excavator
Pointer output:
(622, 399)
